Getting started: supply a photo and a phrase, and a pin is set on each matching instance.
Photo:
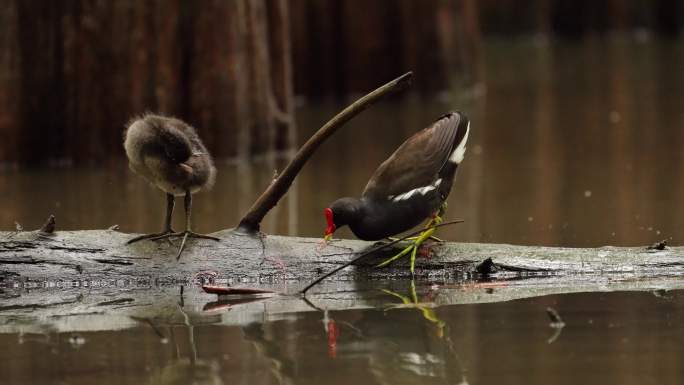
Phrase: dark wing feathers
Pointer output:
(417, 162)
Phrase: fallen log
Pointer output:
(97, 282)
(100, 257)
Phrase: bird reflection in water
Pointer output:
(190, 370)
(426, 308)
(332, 328)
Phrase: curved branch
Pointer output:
(275, 191)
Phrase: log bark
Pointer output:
(45, 277)
(266, 260)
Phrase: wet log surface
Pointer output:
(94, 255)
(266, 260)
(81, 274)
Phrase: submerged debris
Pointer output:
(227, 290)
(662, 245)
(556, 323)
(555, 318)
(485, 267)
(76, 341)
(229, 302)
(661, 293)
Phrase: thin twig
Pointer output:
(371, 251)
(251, 221)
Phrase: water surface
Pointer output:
(573, 144)
(619, 337)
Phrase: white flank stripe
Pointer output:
(419, 190)
(459, 152)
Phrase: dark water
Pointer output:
(608, 338)
(574, 144)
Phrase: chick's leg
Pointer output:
(188, 228)
(170, 203)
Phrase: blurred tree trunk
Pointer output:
(73, 72)
(348, 46)
(10, 74)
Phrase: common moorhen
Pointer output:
(169, 154)
(410, 186)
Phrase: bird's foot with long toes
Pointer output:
(411, 239)
(160, 235)
(417, 242)
(413, 249)
(168, 234)
(185, 234)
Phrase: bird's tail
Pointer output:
(461, 139)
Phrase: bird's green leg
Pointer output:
(436, 239)
(401, 254)
(418, 241)
(413, 249)
(416, 245)
(435, 220)
(170, 203)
